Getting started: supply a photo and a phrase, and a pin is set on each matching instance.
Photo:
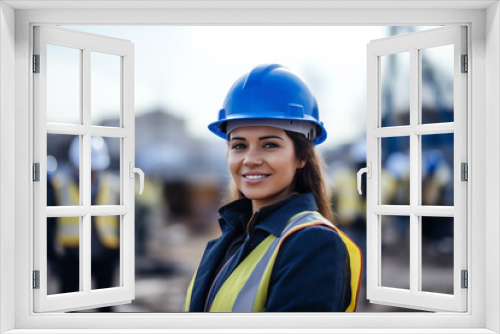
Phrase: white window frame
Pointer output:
(483, 20)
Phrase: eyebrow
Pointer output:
(260, 138)
(270, 137)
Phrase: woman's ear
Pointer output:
(301, 164)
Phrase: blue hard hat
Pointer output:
(270, 92)
(431, 160)
(99, 153)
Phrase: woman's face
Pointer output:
(262, 162)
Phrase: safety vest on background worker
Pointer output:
(350, 205)
(245, 290)
(68, 229)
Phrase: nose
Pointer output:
(252, 158)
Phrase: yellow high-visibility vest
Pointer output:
(68, 228)
(245, 290)
(349, 204)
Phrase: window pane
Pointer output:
(63, 177)
(63, 255)
(437, 169)
(395, 171)
(105, 165)
(437, 84)
(63, 84)
(437, 254)
(105, 89)
(395, 232)
(105, 252)
(395, 92)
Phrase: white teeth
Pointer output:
(254, 177)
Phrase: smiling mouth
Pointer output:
(256, 177)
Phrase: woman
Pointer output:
(279, 250)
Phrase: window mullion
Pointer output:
(103, 131)
(433, 128)
(85, 176)
(67, 129)
(109, 210)
(392, 131)
(434, 211)
(422, 210)
(85, 255)
(419, 129)
(415, 244)
(85, 153)
(85, 96)
(66, 211)
(77, 129)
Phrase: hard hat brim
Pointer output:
(219, 127)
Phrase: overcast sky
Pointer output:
(188, 70)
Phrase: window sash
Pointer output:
(413, 298)
(86, 298)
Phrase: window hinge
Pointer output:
(465, 64)
(36, 172)
(36, 279)
(465, 279)
(464, 171)
(36, 63)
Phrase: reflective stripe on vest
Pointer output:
(245, 290)
(68, 228)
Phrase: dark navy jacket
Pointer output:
(310, 270)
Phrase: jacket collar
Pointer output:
(272, 218)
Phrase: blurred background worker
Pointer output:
(63, 234)
(346, 201)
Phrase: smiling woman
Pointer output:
(279, 250)
(262, 162)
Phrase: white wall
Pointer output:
(7, 160)
(492, 163)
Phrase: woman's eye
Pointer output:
(238, 147)
(270, 145)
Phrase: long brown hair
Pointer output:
(310, 177)
(307, 179)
